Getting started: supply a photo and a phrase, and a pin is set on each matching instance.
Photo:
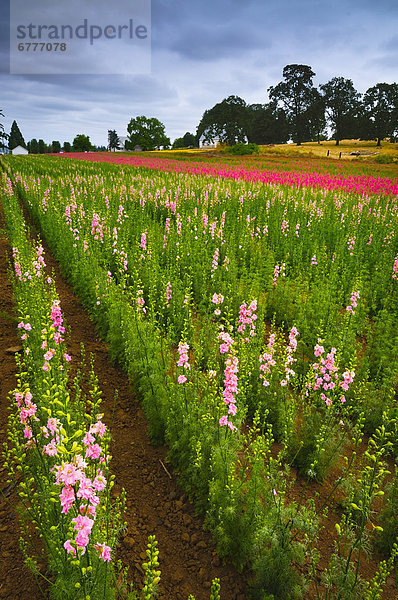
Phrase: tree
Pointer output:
(82, 143)
(148, 133)
(186, 141)
(189, 139)
(3, 135)
(227, 121)
(16, 138)
(113, 140)
(56, 146)
(315, 115)
(296, 94)
(178, 143)
(67, 147)
(33, 146)
(42, 146)
(381, 104)
(267, 124)
(342, 104)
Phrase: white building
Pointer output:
(19, 150)
(206, 144)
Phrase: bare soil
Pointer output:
(155, 503)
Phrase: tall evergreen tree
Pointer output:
(16, 138)
(113, 140)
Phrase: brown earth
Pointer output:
(155, 503)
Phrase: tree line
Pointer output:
(81, 142)
(297, 110)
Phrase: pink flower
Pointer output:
(67, 498)
(27, 432)
(83, 523)
(182, 379)
(318, 350)
(67, 474)
(69, 548)
(99, 483)
(99, 427)
(50, 449)
(88, 439)
(93, 451)
(53, 424)
(104, 550)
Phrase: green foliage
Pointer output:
(113, 140)
(148, 133)
(15, 138)
(242, 149)
(81, 143)
(342, 105)
(188, 140)
(226, 121)
(387, 537)
(300, 100)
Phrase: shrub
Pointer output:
(241, 149)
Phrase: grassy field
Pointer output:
(367, 150)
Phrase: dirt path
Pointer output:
(155, 503)
(16, 582)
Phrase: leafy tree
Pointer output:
(342, 105)
(67, 147)
(189, 139)
(381, 105)
(267, 124)
(33, 146)
(82, 143)
(146, 133)
(178, 143)
(315, 115)
(16, 138)
(3, 135)
(297, 96)
(42, 146)
(227, 121)
(56, 146)
(113, 140)
(186, 141)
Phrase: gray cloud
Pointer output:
(203, 51)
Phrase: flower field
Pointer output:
(255, 313)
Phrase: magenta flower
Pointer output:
(104, 550)
(67, 498)
(69, 548)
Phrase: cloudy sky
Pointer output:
(200, 52)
